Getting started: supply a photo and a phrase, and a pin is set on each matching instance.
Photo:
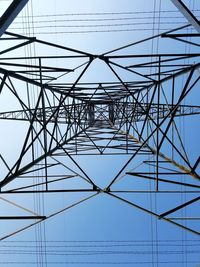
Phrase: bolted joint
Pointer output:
(107, 190)
(95, 188)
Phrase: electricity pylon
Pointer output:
(135, 113)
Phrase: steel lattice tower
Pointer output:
(135, 113)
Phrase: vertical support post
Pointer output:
(173, 88)
(157, 125)
(111, 113)
(91, 117)
(44, 121)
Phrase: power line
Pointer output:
(108, 13)
(96, 25)
(97, 262)
(102, 31)
(100, 19)
(101, 241)
(98, 246)
(97, 252)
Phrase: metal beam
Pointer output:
(10, 14)
(187, 14)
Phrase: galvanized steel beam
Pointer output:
(10, 14)
(187, 14)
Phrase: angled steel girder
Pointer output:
(10, 14)
(187, 14)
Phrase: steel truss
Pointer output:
(136, 117)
